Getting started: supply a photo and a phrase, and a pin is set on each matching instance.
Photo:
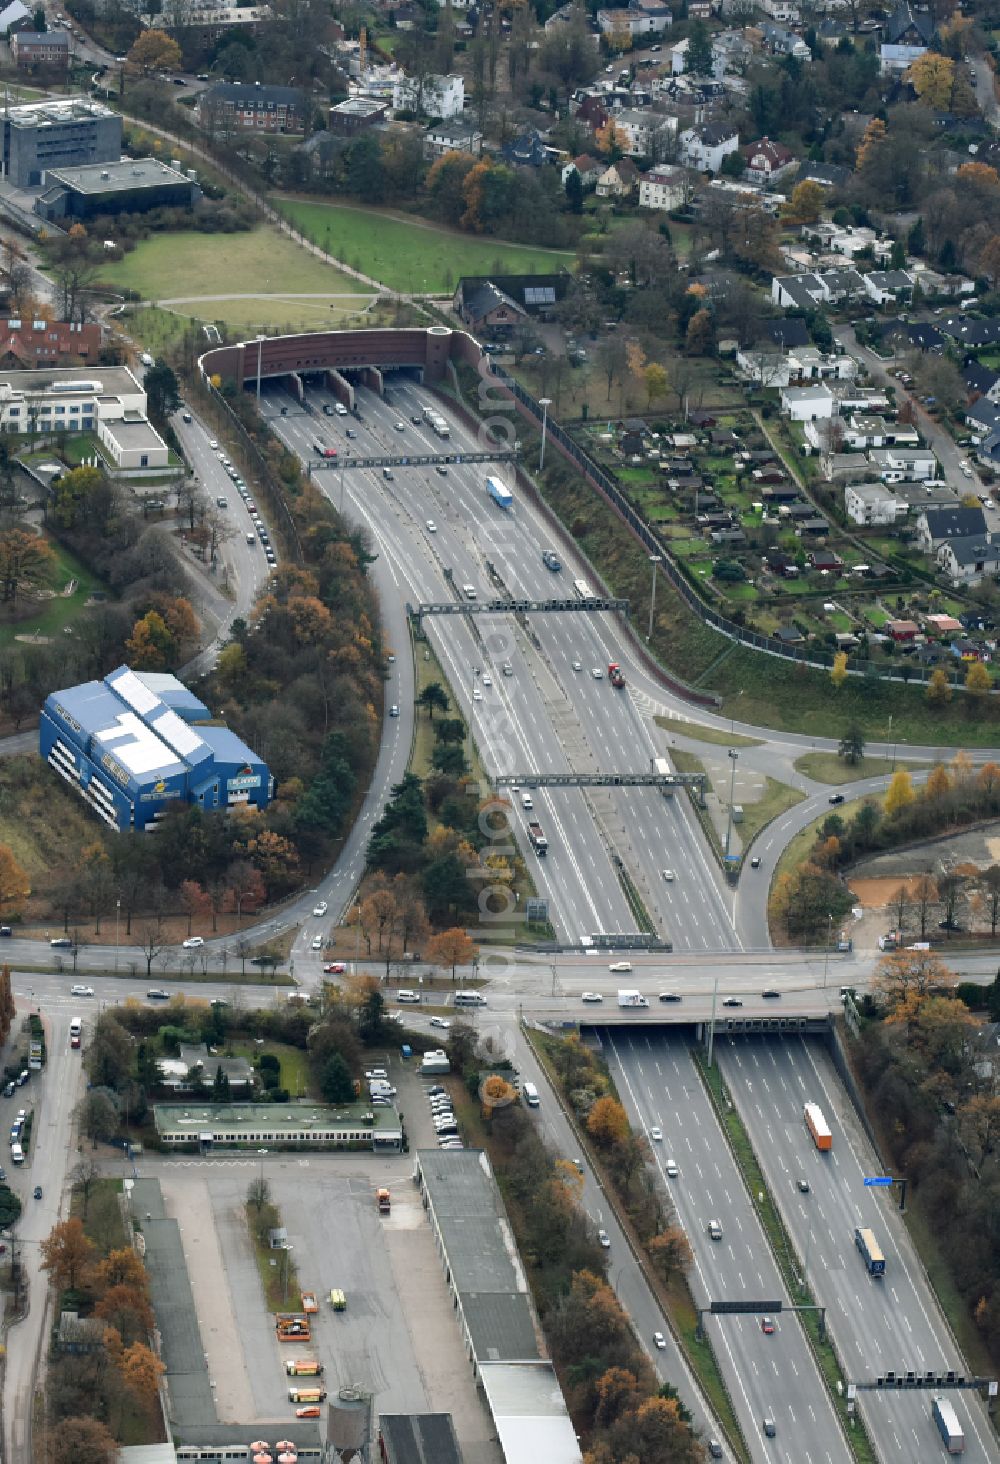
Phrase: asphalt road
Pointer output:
(52, 1095)
(986, 94)
(243, 568)
(546, 716)
(624, 1273)
(877, 1325)
(769, 1376)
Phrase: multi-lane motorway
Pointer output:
(878, 1326)
(551, 714)
(776, 1376)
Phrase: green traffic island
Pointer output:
(279, 1277)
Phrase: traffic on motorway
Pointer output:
(517, 690)
(557, 697)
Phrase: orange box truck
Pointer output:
(817, 1126)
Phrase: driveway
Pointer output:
(948, 453)
(986, 94)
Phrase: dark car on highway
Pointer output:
(156, 993)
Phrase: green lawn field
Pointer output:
(409, 254)
(259, 262)
(58, 613)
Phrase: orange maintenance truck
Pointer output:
(292, 1327)
(303, 1367)
(309, 1302)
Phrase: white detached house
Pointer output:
(813, 403)
(664, 188)
(706, 147)
(767, 161)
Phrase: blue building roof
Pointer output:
(124, 725)
(172, 693)
(136, 742)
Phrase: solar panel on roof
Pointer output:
(176, 734)
(539, 295)
(131, 690)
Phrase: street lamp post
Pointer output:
(544, 403)
(260, 348)
(654, 560)
(711, 1024)
(826, 953)
(118, 912)
(733, 756)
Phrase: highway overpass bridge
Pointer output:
(346, 358)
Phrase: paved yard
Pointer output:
(398, 1337)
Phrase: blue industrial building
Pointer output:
(136, 742)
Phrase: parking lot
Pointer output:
(398, 1337)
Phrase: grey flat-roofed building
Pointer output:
(418, 1438)
(63, 133)
(500, 1325)
(131, 185)
(293, 1125)
(472, 1228)
(529, 1413)
(493, 1304)
(133, 443)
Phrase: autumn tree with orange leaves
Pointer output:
(67, 1254)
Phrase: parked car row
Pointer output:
(443, 1115)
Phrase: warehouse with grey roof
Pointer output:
(493, 1304)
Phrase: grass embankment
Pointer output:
(101, 1213)
(676, 726)
(188, 266)
(827, 767)
(674, 1296)
(102, 1223)
(406, 253)
(70, 585)
(787, 1262)
(759, 689)
(427, 669)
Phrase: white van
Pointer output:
(340, 409)
(16, 1154)
(530, 1095)
(412, 997)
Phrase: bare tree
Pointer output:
(925, 894)
(151, 944)
(899, 902)
(83, 1178)
(258, 1194)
